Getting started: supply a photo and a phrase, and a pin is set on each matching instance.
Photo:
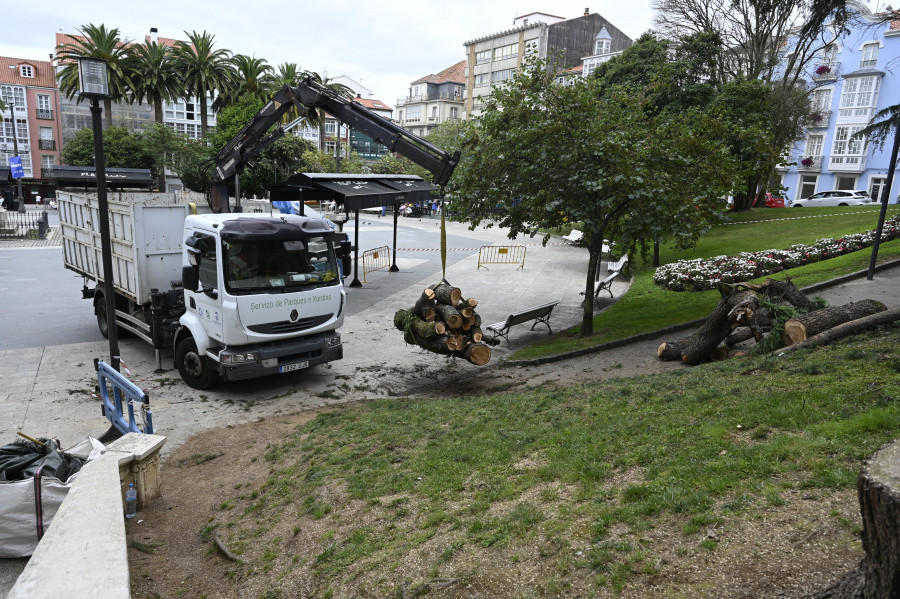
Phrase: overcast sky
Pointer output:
(383, 45)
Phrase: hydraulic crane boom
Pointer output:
(309, 96)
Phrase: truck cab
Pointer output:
(263, 295)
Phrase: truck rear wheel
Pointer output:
(193, 366)
(102, 322)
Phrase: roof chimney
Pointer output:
(586, 11)
(153, 35)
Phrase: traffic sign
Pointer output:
(15, 165)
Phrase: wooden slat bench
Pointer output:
(614, 269)
(539, 314)
(574, 236)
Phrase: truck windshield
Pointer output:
(279, 266)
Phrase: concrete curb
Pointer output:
(685, 325)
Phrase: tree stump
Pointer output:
(878, 489)
(812, 323)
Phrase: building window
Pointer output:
(829, 54)
(329, 127)
(846, 183)
(26, 71)
(821, 101)
(531, 48)
(859, 96)
(808, 185)
(413, 113)
(13, 94)
(501, 76)
(454, 112)
(504, 52)
(847, 149)
(483, 57)
(869, 56)
(482, 79)
(601, 46)
(48, 160)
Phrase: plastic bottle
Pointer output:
(130, 501)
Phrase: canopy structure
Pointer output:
(86, 176)
(355, 192)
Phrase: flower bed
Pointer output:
(706, 273)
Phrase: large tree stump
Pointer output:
(813, 323)
(878, 489)
(713, 332)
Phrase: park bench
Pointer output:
(614, 268)
(539, 314)
(573, 237)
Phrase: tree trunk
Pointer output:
(424, 306)
(669, 351)
(846, 329)
(203, 116)
(449, 315)
(782, 290)
(878, 575)
(812, 323)
(477, 353)
(160, 163)
(447, 294)
(714, 330)
(595, 251)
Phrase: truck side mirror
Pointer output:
(190, 277)
(346, 251)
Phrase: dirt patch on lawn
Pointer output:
(797, 548)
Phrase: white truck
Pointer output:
(234, 295)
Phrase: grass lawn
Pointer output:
(589, 488)
(646, 307)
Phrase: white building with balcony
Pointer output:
(849, 83)
(433, 100)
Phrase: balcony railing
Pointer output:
(827, 71)
(45, 114)
(847, 164)
(810, 164)
(47, 144)
(820, 119)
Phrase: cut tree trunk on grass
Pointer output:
(812, 323)
(878, 490)
(845, 330)
(714, 330)
(781, 290)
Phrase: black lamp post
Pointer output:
(15, 134)
(94, 83)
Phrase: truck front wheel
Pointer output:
(194, 367)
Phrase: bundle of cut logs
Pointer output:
(441, 321)
(739, 316)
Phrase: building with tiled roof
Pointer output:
(433, 99)
(361, 143)
(28, 88)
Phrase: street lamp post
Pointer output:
(15, 136)
(94, 83)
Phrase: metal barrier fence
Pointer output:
(376, 259)
(24, 225)
(501, 254)
(123, 392)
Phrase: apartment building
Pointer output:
(31, 119)
(849, 82)
(434, 99)
(566, 43)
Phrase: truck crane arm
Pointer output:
(310, 97)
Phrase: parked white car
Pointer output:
(834, 198)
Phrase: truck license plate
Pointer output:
(293, 367)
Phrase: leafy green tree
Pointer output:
(316, 161)
(156, 79)
(553, 155)
(395, 164)
(122, 149)
(205, 70)
(316, 117)
(96, 42)
(176, 152)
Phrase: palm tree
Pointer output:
(252, 76)
(155, 75)
(287, 74)
(316, 117)
(96, 42)
(156, 79)
(204, 69)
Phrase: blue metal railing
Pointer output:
(117, 392)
